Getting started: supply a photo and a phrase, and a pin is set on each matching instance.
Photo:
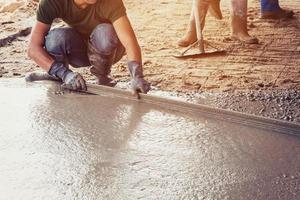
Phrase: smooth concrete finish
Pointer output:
(75, 146)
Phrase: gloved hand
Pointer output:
(72, 80)
(138, 83)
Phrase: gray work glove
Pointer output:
(74, 81)
(71, 80)
(138, 83)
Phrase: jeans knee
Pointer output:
(58, 41)
(104, 39)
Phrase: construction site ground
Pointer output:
(262, 79)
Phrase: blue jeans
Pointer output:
(101, 50)
(269, 5)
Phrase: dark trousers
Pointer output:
(100, 51)
(269, 5)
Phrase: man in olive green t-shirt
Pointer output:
(98, 35)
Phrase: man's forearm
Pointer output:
(40, 57)
(128, 39)
(133, 52)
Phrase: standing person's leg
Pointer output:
(239, 22)
(270, 9)
(67, 46)
(190, 36)
(214, 8)
(104, 50)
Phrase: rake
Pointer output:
(200, 8)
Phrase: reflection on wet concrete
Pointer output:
(92, 147)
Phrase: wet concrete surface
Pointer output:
(75, 146)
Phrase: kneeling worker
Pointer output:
(98, 35)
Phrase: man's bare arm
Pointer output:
(37, 53)
(35, 49)
(128, 39)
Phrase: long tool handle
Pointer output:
(200, 8)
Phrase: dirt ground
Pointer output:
(270, 67)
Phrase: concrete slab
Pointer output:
(75, 146)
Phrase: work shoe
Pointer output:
(106, 81)
(280, 14)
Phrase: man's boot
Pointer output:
(104, 49)
(101, 67)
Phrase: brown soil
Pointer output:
(273, 64)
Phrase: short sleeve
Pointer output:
(46, 12)
(112, 9)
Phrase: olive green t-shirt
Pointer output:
(82, 20)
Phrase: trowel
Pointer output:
(200, 9)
